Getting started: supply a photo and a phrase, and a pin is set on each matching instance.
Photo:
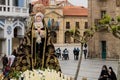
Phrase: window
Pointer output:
(77, 25)
(15, 2)
(52, 2)
(96, 21)
(118, 3)
(86, 25)
(67, 25)
(103, 12)
(2, 2)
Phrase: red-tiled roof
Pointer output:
(75, 11)
(45, 2)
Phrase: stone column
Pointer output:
(8, 46)
(6, 2)
(11, 4)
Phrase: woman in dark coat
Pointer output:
(112, 75)
(104, 73)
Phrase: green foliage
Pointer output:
(118, 27)
(72, 31)
(114, 29)
(118, 18)
(94, 28)
(15, 74)
(88, 33)
(105, 20)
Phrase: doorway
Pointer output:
(103, 44)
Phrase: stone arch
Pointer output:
(18, 28)
(67, 37)
(53, 35)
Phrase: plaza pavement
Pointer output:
(90, 68)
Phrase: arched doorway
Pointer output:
(17, 37)
(53, 35)
(2, 41)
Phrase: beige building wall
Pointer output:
(95, 47)
(57, 13)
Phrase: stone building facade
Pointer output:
(61, 17)
(12, 24)
(67, 21)
(103, 44)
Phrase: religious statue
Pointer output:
(36, 50)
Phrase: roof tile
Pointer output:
(75, 11)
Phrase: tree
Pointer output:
(113, 26)
(88, 34)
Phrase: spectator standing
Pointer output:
(58, 52)
(14, 52)
(104, 75)
(77, 55)
(112, 75)
(65, 54)
(4, 61)
(7, 68)
(12, 57)
(74, 52)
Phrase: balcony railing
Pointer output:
(13, 11)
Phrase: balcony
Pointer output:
(14, 11)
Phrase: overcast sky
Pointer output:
(77, 2)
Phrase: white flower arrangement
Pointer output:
(47, 74)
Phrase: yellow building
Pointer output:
(61, 17)
(103, 44)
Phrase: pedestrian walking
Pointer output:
(74, 52)
(85, 53)
(104, 75)
(112, 75)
